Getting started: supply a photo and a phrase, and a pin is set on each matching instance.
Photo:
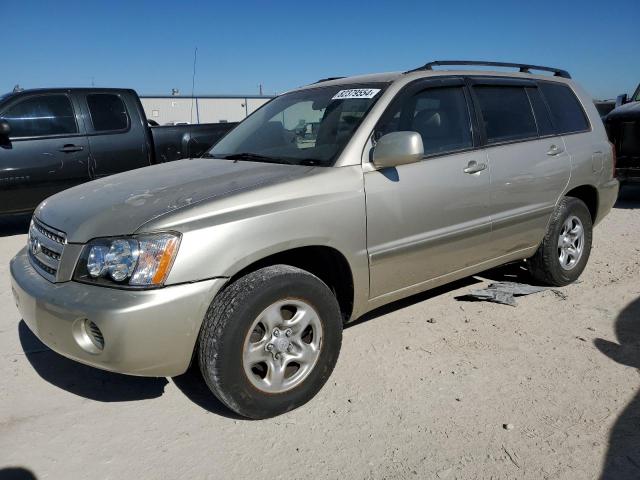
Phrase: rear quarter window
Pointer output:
(566, 112)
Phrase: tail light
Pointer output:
(614, 159)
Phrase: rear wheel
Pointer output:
(565, 249)
(270, 341)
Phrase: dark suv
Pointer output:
(623, 128)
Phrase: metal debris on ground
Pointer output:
(502, 292)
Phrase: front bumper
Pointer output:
(149, 333)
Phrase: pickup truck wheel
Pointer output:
(565, 249)
(270, 341)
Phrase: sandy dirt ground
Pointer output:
(424, 388)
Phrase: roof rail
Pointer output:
(328, 79)
(523, 67)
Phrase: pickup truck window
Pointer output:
(308, 127)
(566, 112)
(108, 112)
(439, 115)
(41, 116)
(506, 112)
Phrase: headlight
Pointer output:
(137, 261)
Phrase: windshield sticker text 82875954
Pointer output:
(356, 93)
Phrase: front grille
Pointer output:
(50, 253)
(45, 248)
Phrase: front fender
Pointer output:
(222, 238)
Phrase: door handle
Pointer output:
(474, 167)
(555, 150)
(71, 148)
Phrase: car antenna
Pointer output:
(193, 85)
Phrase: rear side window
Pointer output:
(541, 112)
(108, 113)
(506, 113)
(566, 112)
(440, 115)
(41, 116)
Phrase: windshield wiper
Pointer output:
(253, 157)
(256, 157)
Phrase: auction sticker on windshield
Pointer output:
(356, 93)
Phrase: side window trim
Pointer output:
(74, 109)
(546, 104)
(554, 132)
(417, 86)
(91, 131)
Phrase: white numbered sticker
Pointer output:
(356, 93)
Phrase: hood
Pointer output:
(120, 204)
(628, 111)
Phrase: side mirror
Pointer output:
(621, 99)
(398, 148)
(5, 128)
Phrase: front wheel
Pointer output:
(270, 341)
(565, 249)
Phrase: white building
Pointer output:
(166, 109)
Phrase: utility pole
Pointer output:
(260, 88)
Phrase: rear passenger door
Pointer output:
(47, 150)
(529, 163)
(429, 218)
(117, 142)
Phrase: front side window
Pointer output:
(108, 113)
(566, 111)
(506, 113)
(309, 127)
(440, 115)
(41, 116)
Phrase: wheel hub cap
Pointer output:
(570, 243)
(282, 346)
(280, 343)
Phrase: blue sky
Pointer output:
(148, 45)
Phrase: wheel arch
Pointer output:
(325, 262)
(589, 195)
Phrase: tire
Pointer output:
(546, 265)
(283, 296)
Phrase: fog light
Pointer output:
(94, 333)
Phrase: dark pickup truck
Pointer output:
(623, 129)
(53, 139)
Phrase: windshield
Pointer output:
(636, 95)
(308, 127)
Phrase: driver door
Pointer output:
(429, 218)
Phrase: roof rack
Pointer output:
(328, 79)
(523, 67)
